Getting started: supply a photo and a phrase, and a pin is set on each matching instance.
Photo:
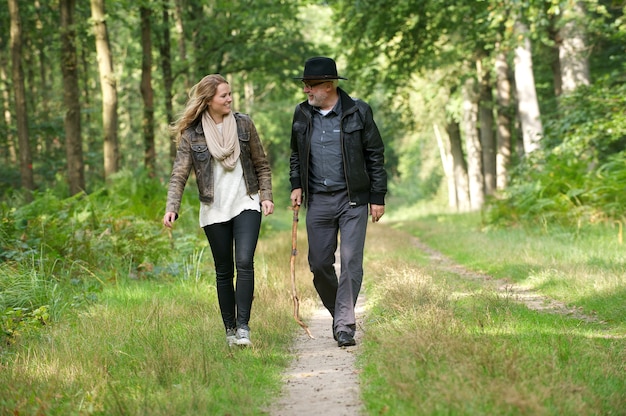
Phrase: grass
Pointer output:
(581, 267)
(157, 346)
(438, 343)
(144, 336)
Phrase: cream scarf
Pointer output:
(224, 145)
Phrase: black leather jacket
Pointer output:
(362, 151)
(193, 152)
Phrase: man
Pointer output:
(337, 170)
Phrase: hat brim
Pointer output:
(328, 77)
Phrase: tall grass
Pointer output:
(585, 267)
(439, 343)
(136, 328)
(124, 320)
(158, 347)
(146, 350)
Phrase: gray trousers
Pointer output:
(331, 220)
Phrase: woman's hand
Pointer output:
(169, 218)
(267, 207)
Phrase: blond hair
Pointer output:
(199, 97)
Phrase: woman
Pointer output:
(234, 184)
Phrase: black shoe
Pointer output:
(344, 339)
(334, 333)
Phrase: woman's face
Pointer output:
(219, 106)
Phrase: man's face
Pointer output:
(316, 91)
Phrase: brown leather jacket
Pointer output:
(193, 152)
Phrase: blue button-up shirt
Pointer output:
(326, 164)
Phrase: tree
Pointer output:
(485, 119)
(475, 175)
(503, 131)
(416, 37)
(146, 90)
(10, 154)
(528, 105)
(166, 68)
(574, 65)
(108, 84)
(71, 99)
(26, 160)
(459, 167)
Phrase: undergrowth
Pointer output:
(57, 253)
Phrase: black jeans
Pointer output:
(242, 232)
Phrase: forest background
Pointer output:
(523, 101)
(504, 114)
(515, 109)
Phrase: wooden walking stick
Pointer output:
(294, 291)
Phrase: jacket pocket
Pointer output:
(353, 125)
(299, 127)
(200, 152)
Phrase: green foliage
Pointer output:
(579, 174)
(139, 342)
(16, 321)
(57, 252)
(76, 231)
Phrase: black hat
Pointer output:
(320, 68)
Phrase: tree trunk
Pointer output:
(472, 143)
(573, 60)
(10, 156)
(43, 107)
(459, 167)
(109, 91)
(555, 64)
(485, 117)
(182, 49)
(147, 93)
(503, 131)
(528, 105)
(21, 113)
(71, 99)
(446, 163)
(166, 67)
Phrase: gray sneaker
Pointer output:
(243, 337)
(231, 336)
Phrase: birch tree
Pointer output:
(472, 144)
(528, 105)
(573, 62)
(503, 131)
(108, 84)
(459, 167)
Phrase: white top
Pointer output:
(230, 196)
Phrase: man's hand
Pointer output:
(376, 211)
(296, 197)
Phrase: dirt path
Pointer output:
(323, 379)
(519, 293)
